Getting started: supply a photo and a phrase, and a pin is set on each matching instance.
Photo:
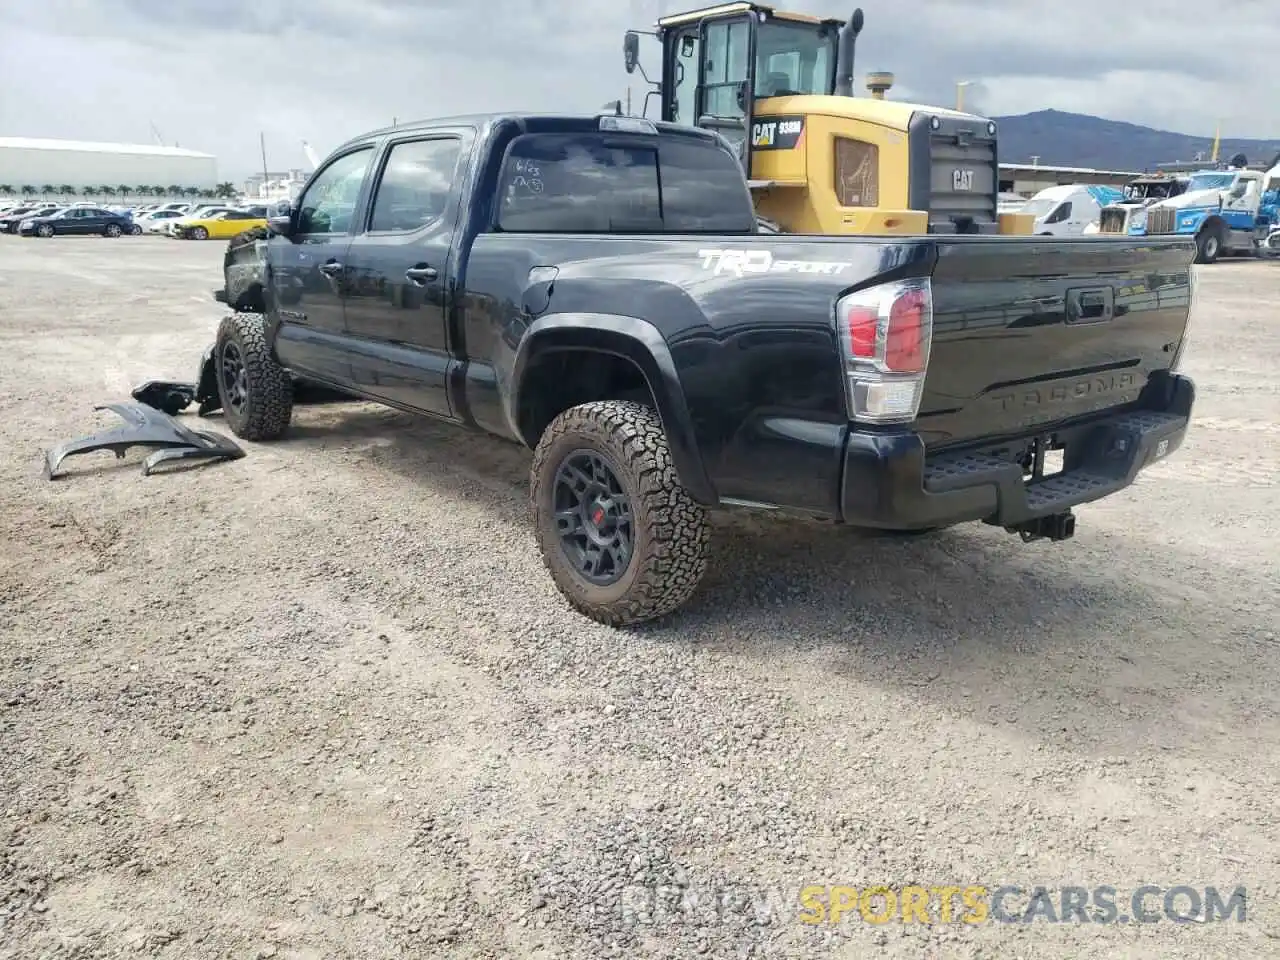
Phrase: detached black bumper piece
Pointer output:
(890, 482)
(146, 427)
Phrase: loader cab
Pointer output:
(819, 159)
(719, 61)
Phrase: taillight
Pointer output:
(885, 333)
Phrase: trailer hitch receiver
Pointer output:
(1057, 526)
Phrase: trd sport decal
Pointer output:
(776, 133)
(739, 262)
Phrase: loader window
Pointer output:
(583, 183)
(794, 58)
(726, 65)
(857, 173)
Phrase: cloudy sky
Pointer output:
(211, 74)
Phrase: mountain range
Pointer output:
(1078, 140)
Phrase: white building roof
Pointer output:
(32, 143)
(1044, 168)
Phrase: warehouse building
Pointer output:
(61, 163)
(1029, 179)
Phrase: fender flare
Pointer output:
(633, 339)
(1214, 221)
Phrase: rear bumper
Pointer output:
(890, 482)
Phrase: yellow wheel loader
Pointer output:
(779, 87)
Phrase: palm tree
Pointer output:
(208, 194)
(143, 190)
(225, 190)
(89, 191)
(28, 190)
(191, 191)
(48, 190)
(124, 190)
(6, 189)
(173, 190)
(67, 190)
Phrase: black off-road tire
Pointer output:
(670, 530)
(269, 406)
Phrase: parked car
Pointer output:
(77, 221)
(157, 221)
(221, 225)
(527, 277)
(10, 219)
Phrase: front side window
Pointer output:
(416, 184)
(857, 173)
(330, 200)
(1061, 214)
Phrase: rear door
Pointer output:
(398, 268)
(1030, 332)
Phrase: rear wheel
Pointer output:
(1209, 243)
(622, 538)
(111, 230)
(255, 391)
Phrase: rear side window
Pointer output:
(589, 183)
(414, 189)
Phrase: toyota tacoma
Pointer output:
(598, 290)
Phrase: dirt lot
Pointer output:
(324, 702)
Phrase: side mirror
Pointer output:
(631, 50)
(856, 21)
(281, 226)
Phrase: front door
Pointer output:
(308, 275)
(725, 77)
(397, 299)
(1240, 210)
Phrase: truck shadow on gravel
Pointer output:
(1042, 636)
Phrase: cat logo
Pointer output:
(961, 179)
(780, 134)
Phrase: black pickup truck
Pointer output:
(597, 289)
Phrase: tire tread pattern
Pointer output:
(672, 547)
(270, 406)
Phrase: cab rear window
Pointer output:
(604, 183)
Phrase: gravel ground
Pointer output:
(324, 701)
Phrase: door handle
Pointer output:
(331, 269)
(421, 275)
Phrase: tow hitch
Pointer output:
(1057, 526)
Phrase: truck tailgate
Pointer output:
(1030, 332)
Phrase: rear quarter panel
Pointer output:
(749, 322)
